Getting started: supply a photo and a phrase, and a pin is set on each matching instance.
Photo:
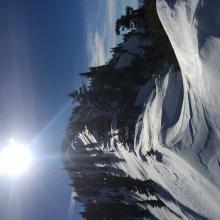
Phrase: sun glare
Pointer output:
(14, 160)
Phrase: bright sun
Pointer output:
(15, 160)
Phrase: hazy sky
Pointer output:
(44, 44)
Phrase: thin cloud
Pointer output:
(100, 25)
(96, 50)
(100, 30)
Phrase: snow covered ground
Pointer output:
(178, 133)
(181, 120)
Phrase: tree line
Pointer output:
(107, 102)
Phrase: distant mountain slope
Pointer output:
(172, 169)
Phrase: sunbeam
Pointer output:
(15, 159)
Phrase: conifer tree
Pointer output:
(108, 101)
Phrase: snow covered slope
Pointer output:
(176, 151)
(181, 121)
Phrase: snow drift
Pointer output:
(178, 134)
(181, 119)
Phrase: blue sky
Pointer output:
(44, 44)
(100, 22)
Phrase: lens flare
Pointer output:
(15, 160)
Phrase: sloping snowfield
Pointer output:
(178, 133)
(181, 120)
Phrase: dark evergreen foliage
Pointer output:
(108, 102)
(109, 98)
(104, 195)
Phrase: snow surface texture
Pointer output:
(178, 133)
(181, 121)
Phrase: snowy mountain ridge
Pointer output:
(176, 153)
